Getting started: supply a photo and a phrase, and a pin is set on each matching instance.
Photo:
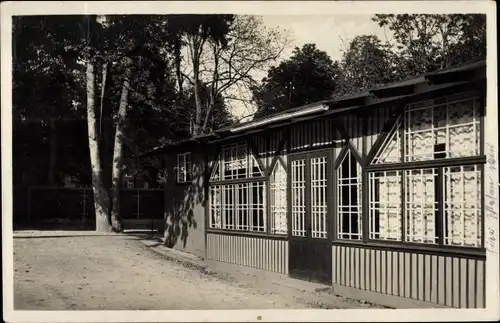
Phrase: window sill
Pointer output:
(247, 234)
(238, 180)
(462, 252)
(433, 163)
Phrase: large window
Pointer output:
(349, 224)
(432, 205)
(238, 204)
(451, 122)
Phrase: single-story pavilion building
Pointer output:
(381, 191)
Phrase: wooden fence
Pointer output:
(37, 205)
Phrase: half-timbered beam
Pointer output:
(386, 132)
(278, 151)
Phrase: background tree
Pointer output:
(111, 80)
(125, 84)
(366, 63)
(308, 76)
(425, 42)
(44, 96)
(194, 31)
(226, 66)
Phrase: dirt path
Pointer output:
(117, 273)
(83, 271)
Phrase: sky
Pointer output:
(331, 33)
(328, 32)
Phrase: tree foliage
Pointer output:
(425, 42)
(182, 75)
(226, 66)
(308, 76)
(420, 43)
(125, 69)
(366, 63)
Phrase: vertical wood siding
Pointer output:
(375, 124)
(317, 133)
(353, 125)
(274, 141)
(263, 153)
(260, 253)
(446, 280)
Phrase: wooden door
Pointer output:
(310, 247)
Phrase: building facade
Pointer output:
(379, 192)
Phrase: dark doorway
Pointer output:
(310, 248)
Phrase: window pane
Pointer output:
(183, 167)
(278, 202)
(257, 206)
(462, 206)
(228, 206)
(298, 197)
(349, 224)
(421, 205)
(385, 205)
(318, 197)
(235, 161)
(215, 207)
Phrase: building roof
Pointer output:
(428, 82)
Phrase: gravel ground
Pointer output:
(84, 271)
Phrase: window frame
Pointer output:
(233, 184)
(348, 152)
(440, 217)
(440, 164)
(273, 189)
(188, 166)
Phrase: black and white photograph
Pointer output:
(198, 158)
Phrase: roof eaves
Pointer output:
(389, 92)
(317, 107)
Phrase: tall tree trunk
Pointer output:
(197, 127)
(213, 88)
(103, 91)
(101, 200)
(210, 108)
(116, 221)
(178, 59)
(195, 53)
(52, 150)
